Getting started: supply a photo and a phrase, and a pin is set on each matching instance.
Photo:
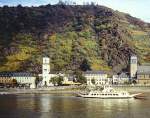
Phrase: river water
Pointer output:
(69, 106)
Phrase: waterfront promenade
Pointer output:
(70, 89)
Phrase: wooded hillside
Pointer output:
(74, 37)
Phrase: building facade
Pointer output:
(46, 74)
(96, 78)
(133, 66)
(25, 78)
(5, 79)
(143, 75)
(140, 73)
(21, 78)
(121, 78)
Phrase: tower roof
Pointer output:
(133, 57)
(45, 57)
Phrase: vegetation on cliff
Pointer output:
(88, 37)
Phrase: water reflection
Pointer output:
(45, 103)
(69, 106)
(7, 106)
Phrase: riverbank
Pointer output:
(46, 90)
(132, 88)
(68, 89)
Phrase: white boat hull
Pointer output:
(107, 93)
(109, 96)
(104, 97)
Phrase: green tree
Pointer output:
(57, 80)
(79, 77)
(134, 81)
(38, 80)
(85, 65)
(54, 81)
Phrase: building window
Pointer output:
(45, 69)
(133, 61)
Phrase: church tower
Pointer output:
(45, 71)
(133, 66)
(46, 65)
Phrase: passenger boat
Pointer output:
(107, 93)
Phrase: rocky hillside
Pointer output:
(75, 37)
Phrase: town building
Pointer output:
(143, 75)
(46, 75)
(140, 73)
(27, 79)
(115, 79)
(96, 78)
(121, 78)
(69, 80)
(21, 78)
(133, 66)
(6, 79)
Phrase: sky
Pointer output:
(136, 8)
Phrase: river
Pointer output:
(68, 106)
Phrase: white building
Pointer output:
(69, 80)
(115, 79)
(46, 75)
(121, 78)
(133, 66)
(24, 78)
(99, 78)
